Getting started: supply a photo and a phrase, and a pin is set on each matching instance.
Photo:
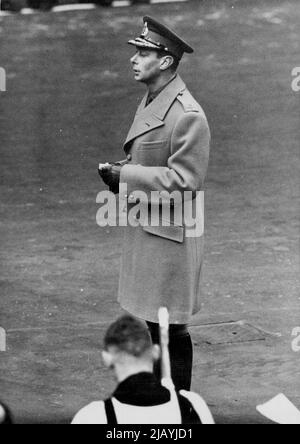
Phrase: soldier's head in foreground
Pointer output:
(158, 52)
(5, 415)
(128, 348)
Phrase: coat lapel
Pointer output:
(152, 116)
(143, 124)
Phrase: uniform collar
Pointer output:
(161, 105)
(152, 116)
(142, 390)
(152, 96)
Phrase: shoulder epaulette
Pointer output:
(188, 102)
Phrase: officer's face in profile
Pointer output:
(148, 65)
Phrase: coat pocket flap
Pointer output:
(157, 145)
(173, 232)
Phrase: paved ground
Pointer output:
(69, 103)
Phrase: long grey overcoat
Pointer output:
(167, 150)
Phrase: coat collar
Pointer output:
(152, 116)
(142, 390)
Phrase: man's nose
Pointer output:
(133, 59)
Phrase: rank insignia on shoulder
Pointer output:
(187, 104)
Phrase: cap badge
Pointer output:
(145, 30)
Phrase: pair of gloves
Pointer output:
(110, 174)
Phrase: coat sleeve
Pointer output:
(187, 165)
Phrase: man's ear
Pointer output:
(108, 359)
(166, 62)
(156, 353)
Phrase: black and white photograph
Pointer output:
(149, 215)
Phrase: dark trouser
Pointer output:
(181, 354)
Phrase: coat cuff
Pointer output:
(129, 177)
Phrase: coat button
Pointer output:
(129, 157)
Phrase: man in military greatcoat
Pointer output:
(167, 151)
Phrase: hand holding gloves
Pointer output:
(110, 174)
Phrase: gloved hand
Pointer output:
(110, 175)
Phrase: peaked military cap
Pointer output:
(158, 37)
